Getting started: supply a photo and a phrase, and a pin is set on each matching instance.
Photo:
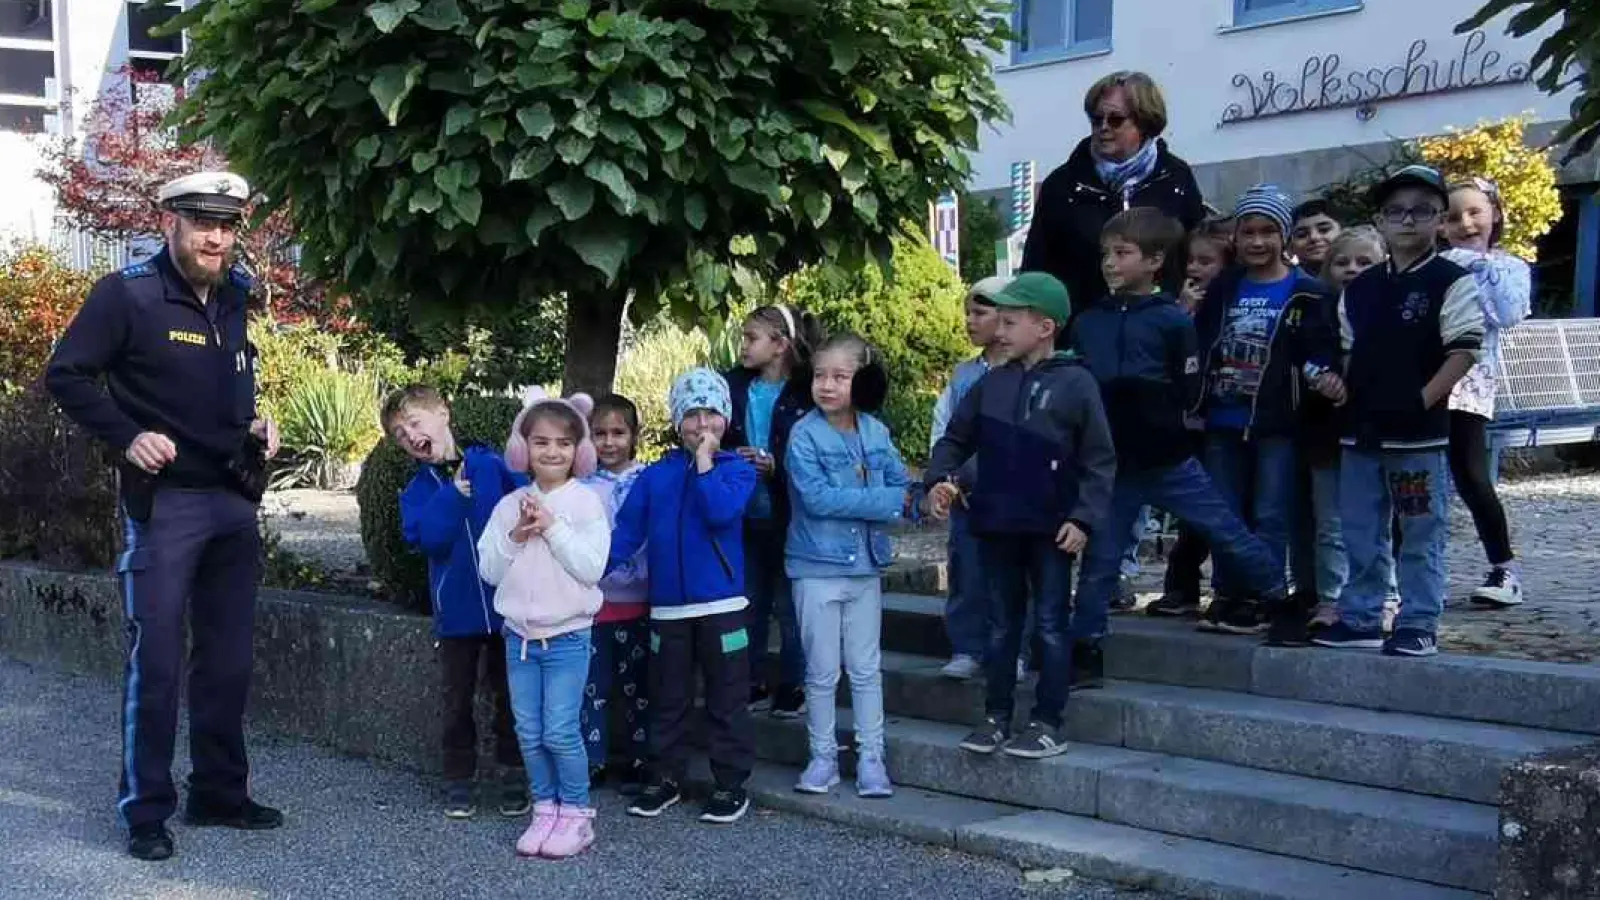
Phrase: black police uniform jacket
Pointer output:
(172, 365)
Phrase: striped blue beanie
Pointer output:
(1267, 200)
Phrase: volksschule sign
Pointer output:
(1325, 83)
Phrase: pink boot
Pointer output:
(545, 814)
(573, 835)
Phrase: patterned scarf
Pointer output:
(1123, 177)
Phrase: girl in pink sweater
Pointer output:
(544, 550)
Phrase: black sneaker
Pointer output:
(597, 777)
(1411, 642)
(1037, 741)
(1340, 636)
(458, 803)
(514, 800)
(246, 816)
(657, 797)
(1289, 627)
(789, 703)
(1232, 617)
(725, 807)
(631, 781)
(760, 698)
(151, 843)
(987, 739)
(1174, 606)
(1088, 667)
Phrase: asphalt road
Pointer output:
(360, 830)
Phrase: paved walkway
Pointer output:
(360, 830)
(1555, 526)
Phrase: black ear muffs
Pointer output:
(869, 389)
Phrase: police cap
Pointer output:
(215, 195)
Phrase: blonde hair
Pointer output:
(1146, 106)
(412, 396)
(1360, 235)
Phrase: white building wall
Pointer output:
(1194, 54)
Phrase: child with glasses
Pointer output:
(1410, 329)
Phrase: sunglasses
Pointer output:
(1109, 120)
(1422, 215)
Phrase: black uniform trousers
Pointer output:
(200, 549)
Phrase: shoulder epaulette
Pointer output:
(139, 270)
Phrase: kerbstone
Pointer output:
(1441, 841)
(1192, 868)
(1550, 827)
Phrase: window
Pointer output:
(28, 96)
(141, 20)
(1264, 12)
(1060, 29)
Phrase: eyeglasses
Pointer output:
(1109, 120)
(1422, 215)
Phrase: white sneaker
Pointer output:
(961, 667)
(1501, 589)
(820, 776)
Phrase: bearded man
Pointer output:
(158, 364)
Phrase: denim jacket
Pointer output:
(840, 484)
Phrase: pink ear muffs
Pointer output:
(584, 461)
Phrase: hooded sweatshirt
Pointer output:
(548, 585)
(626, 587)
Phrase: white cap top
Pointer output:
(990, 287)
(206, 193)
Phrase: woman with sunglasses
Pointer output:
(1473, 227)
(1121, 164)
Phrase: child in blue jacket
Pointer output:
(443, 512)
(687, 512)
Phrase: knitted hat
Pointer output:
(699, 388)
(584, 460)
(1270, 201)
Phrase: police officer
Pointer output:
(168, 338)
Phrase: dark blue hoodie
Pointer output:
(690, 526)
(445, 527)
(1141, 350)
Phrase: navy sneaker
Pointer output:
(1411, 642)
(1342, 637)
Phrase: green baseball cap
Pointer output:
(1040, 292)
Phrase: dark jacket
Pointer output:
(171, 365)
(1142, 353)
(1397, 329)
(793, 403)
(689, 526)
(1074, 206)
(1307, 332)
(1047, 453)
(437, 520)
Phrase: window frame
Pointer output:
(154, 55)
(1296, 10)
(1072, 49)
(49, 105)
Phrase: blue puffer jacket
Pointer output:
(445, 526)
(834, 494)
(690, 526)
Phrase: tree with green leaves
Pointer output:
(1567, 58)
(452, 153)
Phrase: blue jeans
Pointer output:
(1130, 567)
(1259, 480)
(547, 679)
(966, 610)
(1186, 492)
(767, 588)
(1373, 488)
(1012, 564)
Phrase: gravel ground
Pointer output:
(360, 830)
(1555, 526)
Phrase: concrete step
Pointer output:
(1089, 847)
(1440, 757)
(1445, 842)
(1555, 696)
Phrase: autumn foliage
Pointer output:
(107, 183)
(38, 297)
(1527, 180)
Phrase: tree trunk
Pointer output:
(594, 337)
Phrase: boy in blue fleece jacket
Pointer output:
(687, 512)
(443, 512)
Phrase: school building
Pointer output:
(1297, 92)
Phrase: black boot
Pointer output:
(151, 843)
(1088, 666)
(246, 816)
